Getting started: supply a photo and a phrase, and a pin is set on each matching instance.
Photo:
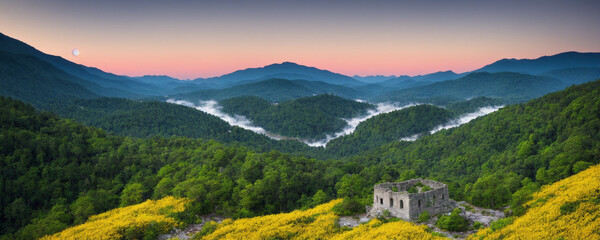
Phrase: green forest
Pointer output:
(57, 172)
(308, 117)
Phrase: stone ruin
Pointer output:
(432, 197)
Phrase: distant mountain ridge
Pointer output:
(516, 86)
(274, 90)
(125, 86)
(285, 68)
(545, 64)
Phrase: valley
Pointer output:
(287, 150)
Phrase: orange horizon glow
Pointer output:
(198, 39)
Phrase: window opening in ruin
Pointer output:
(419, 203)
(433, 200)
(442, 196)
(401, 204)
(381, 201)
(391, 202)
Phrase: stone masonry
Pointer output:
(395, 198)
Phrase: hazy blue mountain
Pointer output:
(515, 86)
(274, 90)
(34, 81)
(545, 64)
(171, 85)
(128, 88)
(279, 70)
(373, 79)
(400, 83)
(157, 79)
(404, 81)
(438, 76)
(575, 75)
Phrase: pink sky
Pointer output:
(192, 40)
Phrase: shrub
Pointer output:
(207, 228)
(424, 217)
(386, 213)
(412, 189)
(349, 206)
(501, 223)
(477, 225)
(569, 207)
(453, 222)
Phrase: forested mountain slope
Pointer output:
(29, 79)
(149, 119)
(484, 161)
(388, 127)
(545, 64)
(122, 86)
(56, 173)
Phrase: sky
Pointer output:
(192, 39)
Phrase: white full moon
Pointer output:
(75, 52)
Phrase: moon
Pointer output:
(75, 52)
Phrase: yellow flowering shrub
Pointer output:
(393, 230)
(316, 223)
(112, 224)
(568, 209)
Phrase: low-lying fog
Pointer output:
(212, 107)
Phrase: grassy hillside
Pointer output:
(145, 220)
(515, 86)
(315, 223)
(309, 117)
(567, 209)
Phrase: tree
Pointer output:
(132, 194)
(82, 208)
(489, 191)
(350, 186)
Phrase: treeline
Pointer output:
(308, 117)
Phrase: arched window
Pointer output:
(419, 202)
(381, 201)
(391, 202)
(401, 204)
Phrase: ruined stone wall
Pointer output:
(409, 206)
